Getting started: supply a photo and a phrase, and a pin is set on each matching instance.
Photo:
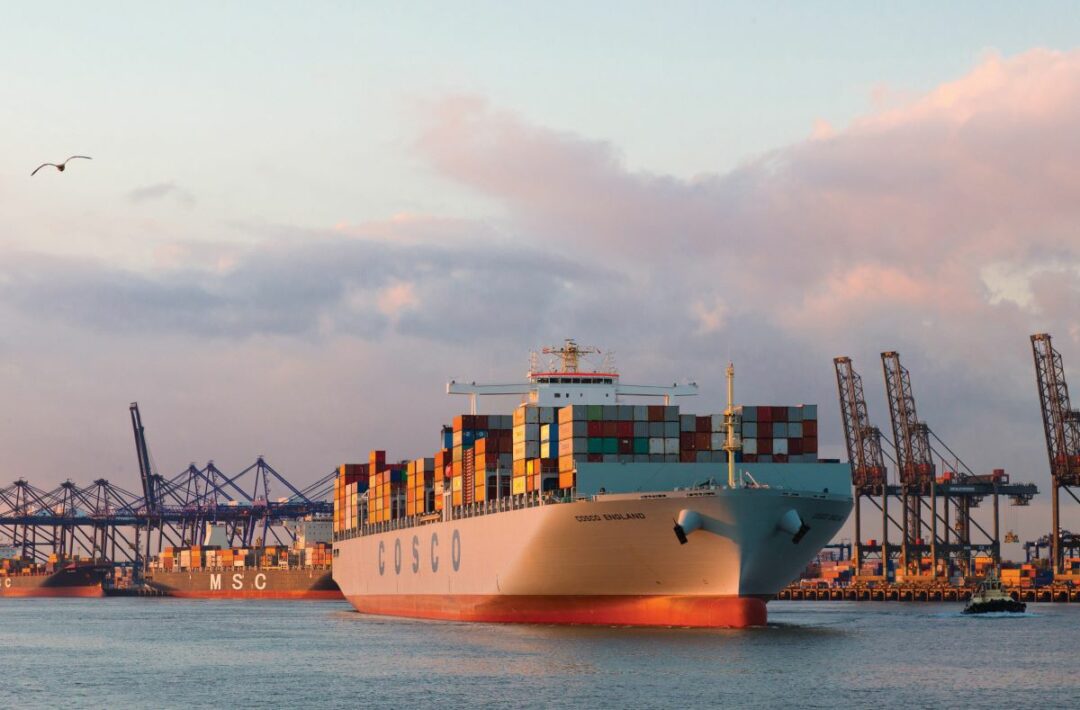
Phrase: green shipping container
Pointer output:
(596, 445)
(611, 445)
(594, 412)
(641, 446)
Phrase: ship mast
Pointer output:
(570, 354)
(731, 445)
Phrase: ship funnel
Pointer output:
(687, 522)
(791, 523)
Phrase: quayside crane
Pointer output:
(863, 440)
(935, 522)
(1061, 425)
(959, 488)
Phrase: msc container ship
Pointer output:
(580, 509)
(56, 579)
(300, 571)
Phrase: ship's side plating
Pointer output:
(246, 583)
(612, 559)
(68, 581)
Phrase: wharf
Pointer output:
(1060, 593)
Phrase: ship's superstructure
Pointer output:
(584, 508)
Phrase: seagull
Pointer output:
(61, 166)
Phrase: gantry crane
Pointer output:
(868, 472)
(936, 520)
(1061, 424)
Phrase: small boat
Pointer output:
(990, 597)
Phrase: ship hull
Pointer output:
(71, 583)
(609, 560)
(247, 583)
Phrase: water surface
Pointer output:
(172, 653)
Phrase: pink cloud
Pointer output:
(900, 211)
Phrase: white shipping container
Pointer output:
(749, 446)
(671, 446)
(656, 445)
(717, 441)
(779, 446)
(718, 422)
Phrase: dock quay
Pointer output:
(1059, 593)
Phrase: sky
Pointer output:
(300, 221)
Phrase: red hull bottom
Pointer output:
(316, 595)
(710, 612)
(68, 592)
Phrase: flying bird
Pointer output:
(61, 166)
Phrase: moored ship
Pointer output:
(298, 571)
(599, 512)
(56, 579)
(312, 583)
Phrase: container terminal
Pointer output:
(938, 522)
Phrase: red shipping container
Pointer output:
(764, 414)
(703, 425)
(656, 413)
(626, 446)
(749, 458)
(610, 430)
(594, 458)
(596, 429)
(809, 427)
(764, 430)
(624, 429)
(687, 457)
(794, 447)
(780, 458)
(809, 445)
(779, 414)
(686, 441)
(480, 421)
(764, 446)
(703, 442)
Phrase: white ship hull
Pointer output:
(612, 559)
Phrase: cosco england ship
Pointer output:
(583, 508)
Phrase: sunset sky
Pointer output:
(300, 221)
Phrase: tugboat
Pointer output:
(990, 597)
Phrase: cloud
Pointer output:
(159, 191)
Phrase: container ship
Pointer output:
(55, 579)
(582, 509)
(300, 571)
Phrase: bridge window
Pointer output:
(557, 395)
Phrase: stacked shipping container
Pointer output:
(538, 448)
(779, 434)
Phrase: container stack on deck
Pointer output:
(779, 434)
(214, 557)
(537, 449)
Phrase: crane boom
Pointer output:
(1061, 423)
(863, 440)
(143, 453)
(914, 458)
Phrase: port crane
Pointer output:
(109, 523)
(1061, 425)
(939, 531)
(868, 472)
